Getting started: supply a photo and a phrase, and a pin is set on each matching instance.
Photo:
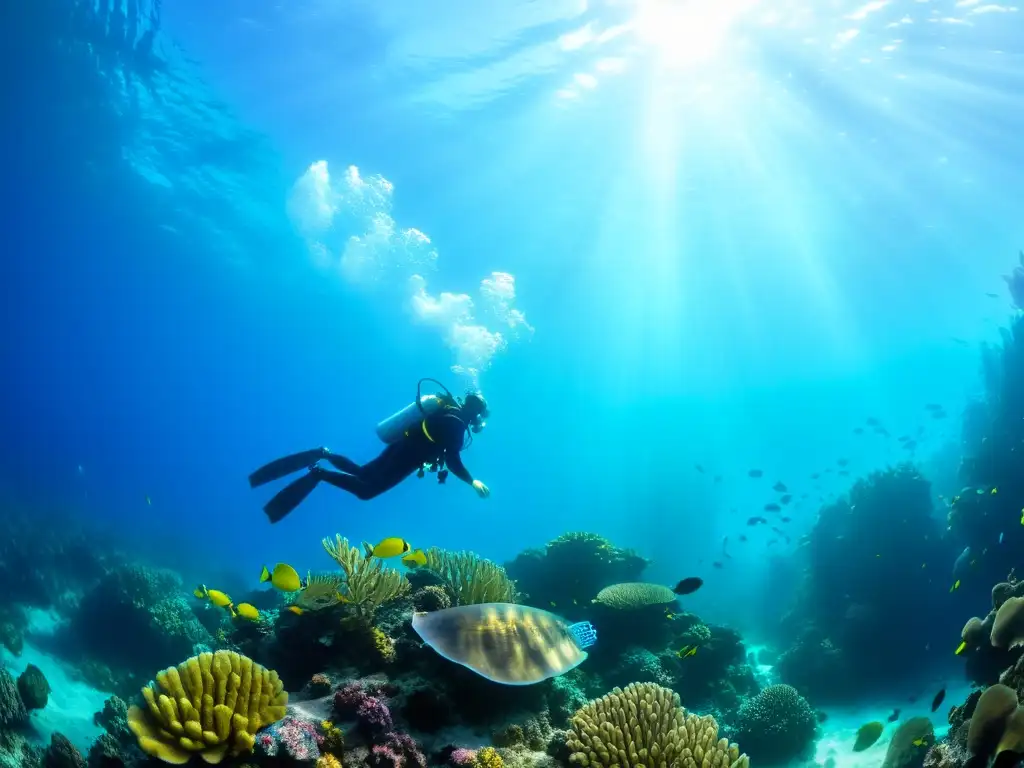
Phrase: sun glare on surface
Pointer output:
(683, 33)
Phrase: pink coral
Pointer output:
(374, 716)
(397, 750)
(463, 758)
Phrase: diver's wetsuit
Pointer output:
(438, 437)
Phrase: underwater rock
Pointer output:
(155, 623)
(910, 743)
(61, 753)
(776, 726)
(12, 637)
(12, 708)
(105, 752)
(114, 720)
(319, 685)
(34, 689)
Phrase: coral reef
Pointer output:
(776, 726)
(883, 534)
(156, 624)
(470, 579)
(211, 704)
(369, 584)
(593, 562)
(645, 724)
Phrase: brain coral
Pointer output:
(210, 705)
(634, 594)
(644, 724)
(777, 725)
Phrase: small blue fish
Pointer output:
(1000, 538)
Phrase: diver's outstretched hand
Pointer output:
(481, 490)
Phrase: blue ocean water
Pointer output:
(671, 244)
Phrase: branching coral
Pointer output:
(211, 705)
(644, 724)
(470, 579)
(368, 582)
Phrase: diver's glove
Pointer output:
(481, 490)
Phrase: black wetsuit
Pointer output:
(435, 440)
(400, 459)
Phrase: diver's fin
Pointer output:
(277, 469)
(289, 497)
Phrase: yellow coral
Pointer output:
(328, 761)
(470, 579)
(384, 645)
(488, 757)
(211, 705)
(334, 738)
(644, 725)
(368, 582)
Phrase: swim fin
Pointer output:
(293, 494)
(286, 465)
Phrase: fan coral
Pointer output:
(644, 724)
(470, 579)
(368, 582)
(634, 594)
(211, 704)
(776, 725)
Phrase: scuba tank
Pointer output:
(394, 427)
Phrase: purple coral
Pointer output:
(348, 698)
(397, 750)
(374, 716)
(463, 757)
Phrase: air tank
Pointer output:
(394, 427)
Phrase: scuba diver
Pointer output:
(428, 434)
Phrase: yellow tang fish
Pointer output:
(391, 547)
(414, 559)
(296, 610)
(956, 586)
(960, 648)
(248, 611)
(687, 650)
(283, 577)
(921, 742)
(215, 596)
